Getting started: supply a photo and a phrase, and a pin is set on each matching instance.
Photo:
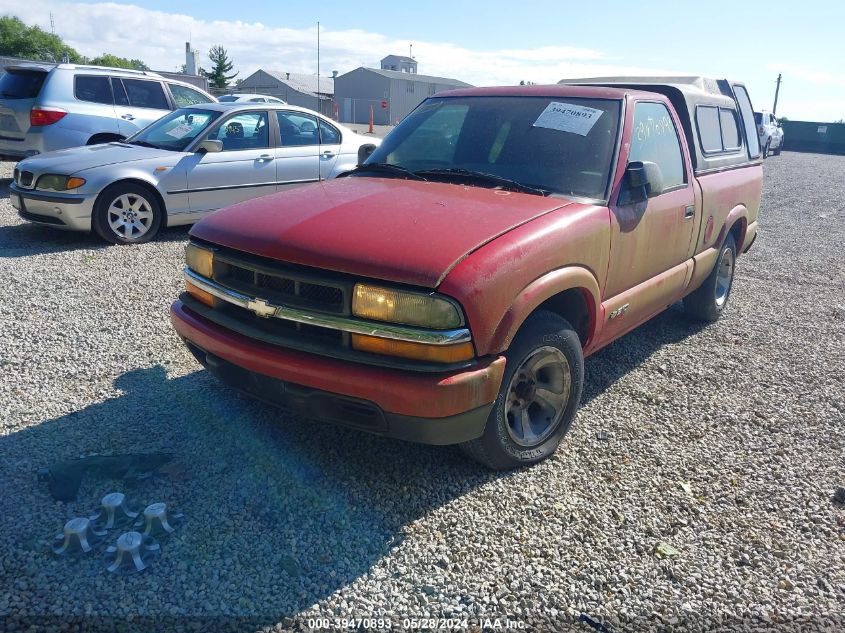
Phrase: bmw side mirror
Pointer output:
(364, 152)
(643, 180)
(210, 146)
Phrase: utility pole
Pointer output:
(777, 90)
(52, 24)
(318, 68)
(411, 51)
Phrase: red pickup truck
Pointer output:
(447, 290)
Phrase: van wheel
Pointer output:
(126, 213)
(708, 301)
(766, 148)
(540, 393)
(776, 152)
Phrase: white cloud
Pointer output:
(159, 38)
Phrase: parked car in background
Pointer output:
(190, 162)
(45, 108)
(770, 133)
(448, 289)
(248, 98)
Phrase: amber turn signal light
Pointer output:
(199, 294)
(416, 351)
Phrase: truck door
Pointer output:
(650, 240)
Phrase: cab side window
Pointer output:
(655, 139)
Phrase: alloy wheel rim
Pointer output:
(130, 216)
(537, 396)
(724, 278)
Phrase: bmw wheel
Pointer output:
(127, 213)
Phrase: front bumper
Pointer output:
(61, 210)
(422, 407)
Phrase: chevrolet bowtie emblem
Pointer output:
(261, 308)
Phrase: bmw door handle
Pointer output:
(689, 212)
(128, 117)
(265, 157)
(328, 154)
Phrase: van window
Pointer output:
(93, 88)
(655, 139)
(747, 112)
(21, 84)
(730, 131)
(145, 94)
(709, 131)
(184, 96)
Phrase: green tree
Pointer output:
(220, 65)
(107, 59)
(32, 42)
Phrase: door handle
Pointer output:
(328, 154)
(264, 157)
(128, 117)
(689, 212)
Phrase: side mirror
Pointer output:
(643, 180)
(364, 152)
(210, 146)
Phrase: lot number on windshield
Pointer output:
(568, 117)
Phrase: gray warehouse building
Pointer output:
(391, 93)
(296, 88)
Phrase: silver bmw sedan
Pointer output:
(188, 163)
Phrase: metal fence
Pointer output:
(808, 136)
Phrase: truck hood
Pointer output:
(76, 159)
(405, 231)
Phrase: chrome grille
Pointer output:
(23, 178)
(288, 285)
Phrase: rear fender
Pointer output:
(738, 214)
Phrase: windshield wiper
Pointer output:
(143, 144)
(386, 168)
(480, 176)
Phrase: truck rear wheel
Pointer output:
(540, 392)
(707, 303)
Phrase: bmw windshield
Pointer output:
(177, 130)
(541, 145)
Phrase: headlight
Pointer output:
(55, 182)
(409, 308)
(200, 260)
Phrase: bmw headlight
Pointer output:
(57, 182)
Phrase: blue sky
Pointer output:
(494, 42)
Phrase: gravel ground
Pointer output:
(288, 520)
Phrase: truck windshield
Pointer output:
(561, 145)
(176, 130)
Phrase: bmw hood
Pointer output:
(77, 159)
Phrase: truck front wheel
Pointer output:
(540, 392)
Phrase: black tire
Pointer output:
(766, 148)
(149, 214)
(776, 152)
(709, 300)
(541, 334)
